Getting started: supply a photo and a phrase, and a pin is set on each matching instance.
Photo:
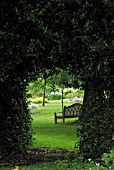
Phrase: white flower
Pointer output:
(97, 164)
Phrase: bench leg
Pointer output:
(55, 118)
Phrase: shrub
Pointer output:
(106, 163)
(54, 97)
(69, 93)
(36, 99)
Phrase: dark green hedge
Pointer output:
(15, 120)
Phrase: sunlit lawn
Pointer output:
(48, 134)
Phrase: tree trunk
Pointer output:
(44, 93)
(62, 99)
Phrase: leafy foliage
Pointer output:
(75, 36)
(97, 132)
(107, 162)
(15, 125)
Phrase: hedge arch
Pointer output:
(46, 35)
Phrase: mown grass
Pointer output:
(37, 166)
(41, 166)
(48, 134)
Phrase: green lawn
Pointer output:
(37, 166)
(48, 134)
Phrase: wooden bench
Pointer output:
(71, 111)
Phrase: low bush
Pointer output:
(36, 99)
(54, 97)
(106, 163)
(70, 92)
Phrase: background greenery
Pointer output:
(53, 90)
(48, 134)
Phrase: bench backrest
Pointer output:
(74, 109)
